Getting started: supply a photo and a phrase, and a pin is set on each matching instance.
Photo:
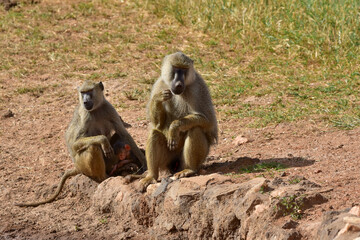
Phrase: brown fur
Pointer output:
(88, 137)
(183, 125)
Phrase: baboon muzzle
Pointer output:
(88, 105)
(178, 84)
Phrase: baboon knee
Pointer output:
(157, 136)
(95, 150)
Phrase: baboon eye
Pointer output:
(87, 93)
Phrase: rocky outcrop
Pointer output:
(340, 225)
(209, 207)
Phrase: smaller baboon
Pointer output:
(125, 158)
(95, 123)
(183, 120)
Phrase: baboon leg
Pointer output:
(91, 163)
(158, 156)
(196, 148)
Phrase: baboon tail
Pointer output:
(67, 174)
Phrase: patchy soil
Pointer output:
(33, 156)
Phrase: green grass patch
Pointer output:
(291, 205)
(136, 94)
(346, 122)
(266, 62)
(35, 91)
(301, 53)
(263, 167)
(294, 180)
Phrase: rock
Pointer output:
(162, 188)
(113, 195)
(80, 184)
(239, 140)
(349, 231)
(352, 220)
(339, 225)
(8, 4)
(8, 114)
(355, 211)
(310, 228)
(204, 207)
(290, 224)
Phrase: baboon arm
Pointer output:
(83, 143)
(184, 124)
(190, 121)
(157, 112)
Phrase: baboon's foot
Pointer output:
(145, 182)
(184, 173)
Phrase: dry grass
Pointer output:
(265, 62)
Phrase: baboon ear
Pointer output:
(127, 147)
(101, 86)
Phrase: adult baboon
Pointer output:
(88, 137)
(183, 120)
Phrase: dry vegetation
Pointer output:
(283, 73)
(266, 62)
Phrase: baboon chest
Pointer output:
(96, 128)
(177, 108)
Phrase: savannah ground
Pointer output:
(285, 76)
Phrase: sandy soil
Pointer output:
(34, 156)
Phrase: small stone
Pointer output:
(260, 208)
(290, 224)
(162, 188)
(8, 4)
(352, 220)
(169, 226)
(239, 140)
(8, 114)
(347, 229)
(355, 211)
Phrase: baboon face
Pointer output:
(87, 100)
(178, 81)
(91, 95)
(176, 71)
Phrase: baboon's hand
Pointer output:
(108, 151)
(174, 136)
(166, 95)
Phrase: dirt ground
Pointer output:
(34, 156)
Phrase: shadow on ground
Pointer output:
(237, 164)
